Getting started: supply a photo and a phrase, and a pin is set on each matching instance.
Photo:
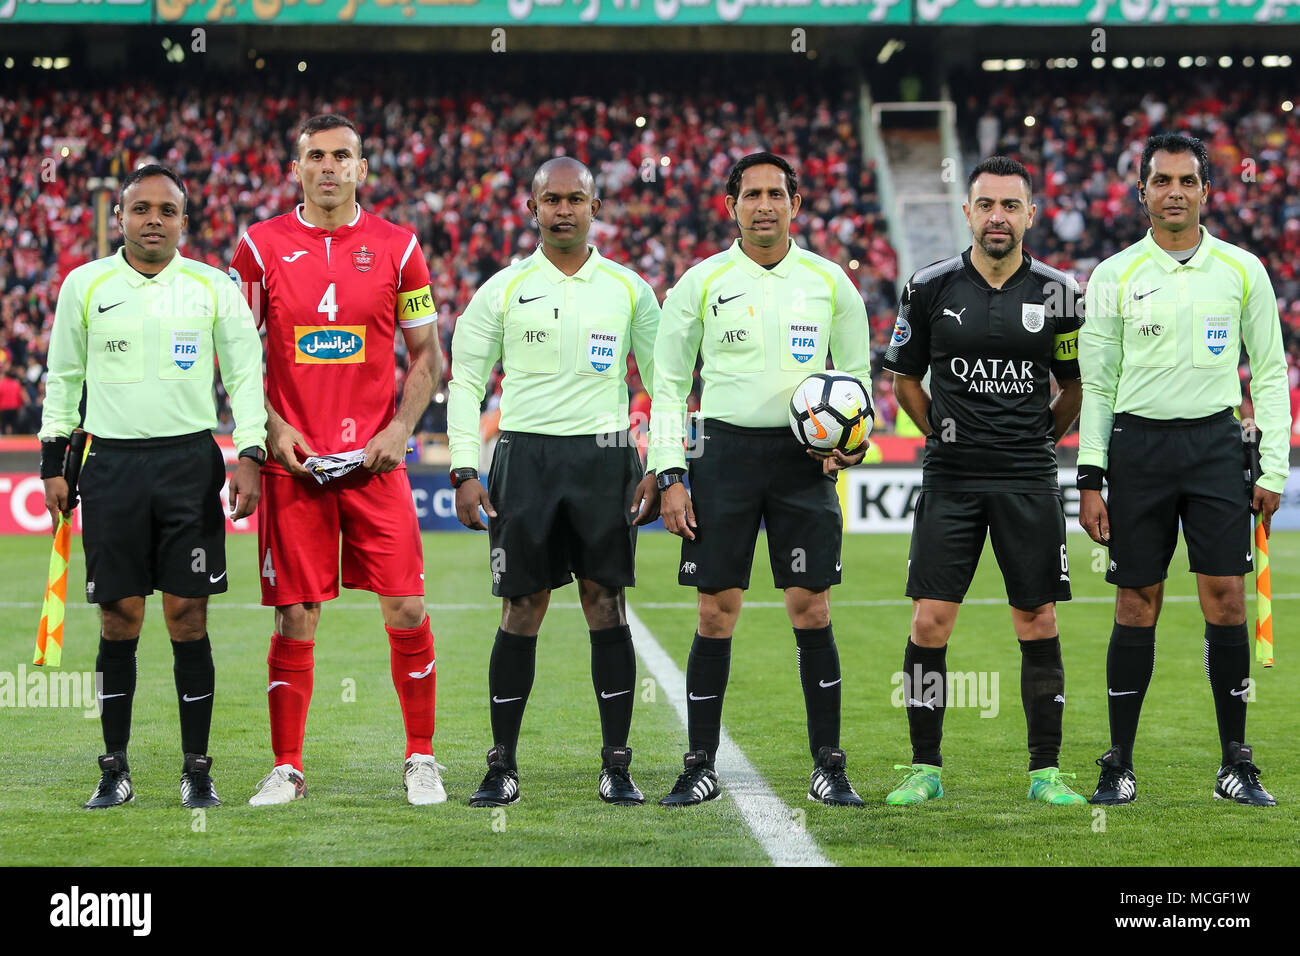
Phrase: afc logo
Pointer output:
(534, 336)
(417, 303)
(688, 567)
(1151, 329)
(731, 336)
(117, 345)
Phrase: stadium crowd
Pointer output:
(456, 167)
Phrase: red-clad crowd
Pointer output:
(456, 166)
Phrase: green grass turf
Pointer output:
(356, 813)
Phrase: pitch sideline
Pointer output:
(766, 814)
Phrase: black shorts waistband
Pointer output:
(1137, 421)
(715, 423)
(614, 438)
(166, 441)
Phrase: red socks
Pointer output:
(416, 681)
(288, 694)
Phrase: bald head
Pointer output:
(568, 169)
(564, 203)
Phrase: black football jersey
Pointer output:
(989, 353)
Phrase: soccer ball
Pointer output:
(831, 410)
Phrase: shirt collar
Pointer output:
(553, 274)
(135, 279)
(318, 231)
(1013, 280)
(781, 269)
(1167, 262)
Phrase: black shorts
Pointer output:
(1163, 472)
(748, 475)
(563, 509)
(1028, 532)
(151, 517)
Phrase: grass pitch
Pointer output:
(356, 812)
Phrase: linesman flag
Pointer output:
(49, 636)
(1263, 599)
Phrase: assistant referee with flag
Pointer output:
(141, 329)
(1166, 321)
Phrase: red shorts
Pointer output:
(298, 532)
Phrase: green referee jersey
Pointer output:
(761, 333)
(562, 341)
(144, 347)
(1162, 340)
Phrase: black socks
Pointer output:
(707, 670)
(819, 672)
(613, 674)
(510, 679)
(195, 683)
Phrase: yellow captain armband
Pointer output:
(412, 307)
(1067, 347)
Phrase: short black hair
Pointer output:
(1174, 143)
(145, 172)
(1000, 166)
(323, 121)
(761, 159)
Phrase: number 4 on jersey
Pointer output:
(268, 571)
(328, 305)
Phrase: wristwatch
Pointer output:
(670, 477)
(254, 452)
(461, 475)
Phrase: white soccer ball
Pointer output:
(831, 410)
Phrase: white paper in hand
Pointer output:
(328, 467)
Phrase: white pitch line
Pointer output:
(655, 606)
(766, 814)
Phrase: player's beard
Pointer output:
(999, 251)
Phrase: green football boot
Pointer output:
(920, 784)
(1048, 787)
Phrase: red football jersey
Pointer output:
(331, 303)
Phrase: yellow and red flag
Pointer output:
(1263, 600)
(49, 637)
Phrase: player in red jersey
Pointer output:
(330, 284)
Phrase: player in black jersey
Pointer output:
(989, 326)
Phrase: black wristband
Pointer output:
(53, 452)
(1090, 478)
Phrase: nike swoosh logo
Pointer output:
(189, 700)
(298, 254)
(1137, 297)
(821, 429)
(107, 696)
(277, 683)
(523, 301)
(913, 702)
(212, 580)
(1120, 693)
(710, 697)
(617, 693)
(105, 308)
(1239, 693)
(418, 675)
(722, 301)
(832, 683)
(504, 700)
(837, 565)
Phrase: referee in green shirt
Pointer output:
(751, 312)
(1166, 320)
(566, 478)
(141, 330)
